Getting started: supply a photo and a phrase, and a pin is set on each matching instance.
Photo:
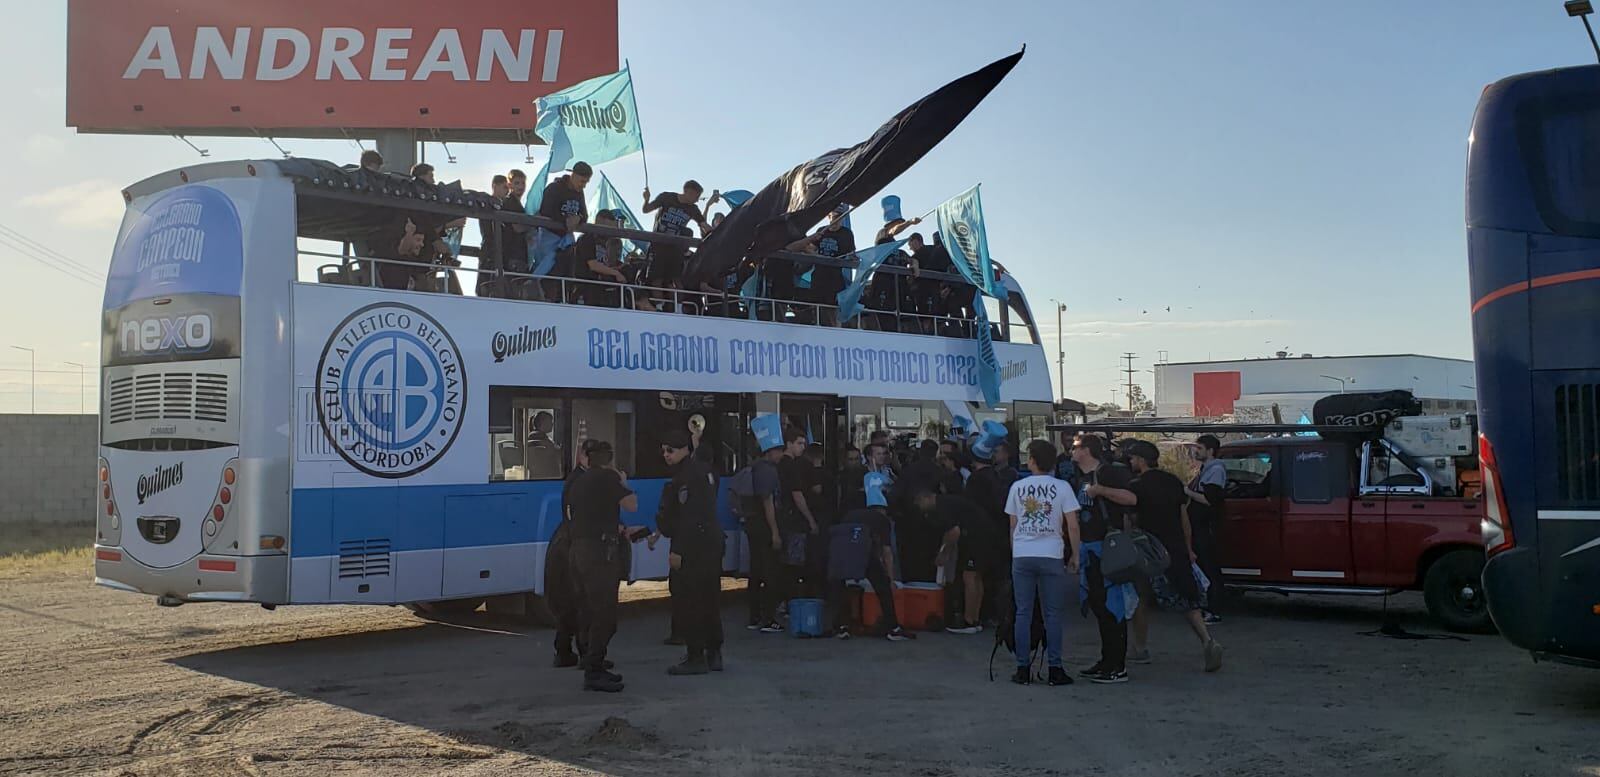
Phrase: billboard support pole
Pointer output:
(399, 149)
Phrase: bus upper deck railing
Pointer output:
(355, 270)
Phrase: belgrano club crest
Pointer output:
(391, 390)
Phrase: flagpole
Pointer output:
(643, 158)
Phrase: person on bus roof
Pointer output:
(835, 241)
(674, 211)
(563, 203)
(489, 260)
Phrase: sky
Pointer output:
(1282, 176)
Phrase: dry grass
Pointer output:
(26, 548)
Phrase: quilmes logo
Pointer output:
(189, 333)
(160, 480)
(391, 390)
(525, 340)
(592, 115)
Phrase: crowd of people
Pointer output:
(1005, 538)
(563, 262)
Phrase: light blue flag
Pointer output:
(988, 363)
(594, 121)
(961, 224)
(736, 197)
(605, 197)
(1304, 421)
(870, 260)
(750, 291)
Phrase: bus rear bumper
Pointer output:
(205, 578)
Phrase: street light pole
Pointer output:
(1582, 9)
(1061, 349)
(82, 383)
(1341, 381)
(33, 379)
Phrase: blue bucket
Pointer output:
(805, 617)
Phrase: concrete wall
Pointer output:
(47, 468)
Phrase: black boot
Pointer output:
(602, 681)
(694, 663)
(714, 659)
(604, 670)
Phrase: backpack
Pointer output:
(1005, 633)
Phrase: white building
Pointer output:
(1248, 389)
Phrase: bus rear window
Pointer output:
(1564, 162)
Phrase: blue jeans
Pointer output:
(1048, 578)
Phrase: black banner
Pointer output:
(782, 212)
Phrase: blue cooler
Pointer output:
(805, 617)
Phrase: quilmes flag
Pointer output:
(594, 121)
(605, 197)
(988, 363)
(781, 212)
(961, 224)
(869, 259)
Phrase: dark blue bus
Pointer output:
(1533, 245)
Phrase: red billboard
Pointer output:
(314, 68)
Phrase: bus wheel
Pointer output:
(1453, 590)
(445, 608)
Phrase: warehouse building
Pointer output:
(1284, 388)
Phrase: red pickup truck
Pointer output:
(1347, 512)
(1333, 516)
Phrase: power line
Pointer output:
(67, 270)
(48, 251)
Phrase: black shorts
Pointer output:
(977, 557)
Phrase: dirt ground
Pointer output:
(94, 681)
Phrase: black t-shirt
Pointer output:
(959, 511)
(795, 474)
(1160, 509)
(986, 489)
(1096, 517)
(513, 244)
(690, 506)
(764, 481)
(876, 521)
(827, 279)
(589, 248)
(673, 215)
(597, 504)
(933, 259)
(920, 475)
(561, 201)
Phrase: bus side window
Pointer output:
(524, 435)
(611, 420)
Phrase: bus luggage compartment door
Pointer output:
(363, 536)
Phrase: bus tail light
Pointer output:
(110, 518)
(271, 542)
(1496, 519)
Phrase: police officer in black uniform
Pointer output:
(689, 519)
(559, 592)
(598, 498)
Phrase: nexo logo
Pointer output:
(184, 334)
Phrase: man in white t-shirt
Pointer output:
(1044, 519)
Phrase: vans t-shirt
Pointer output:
(1038, 502)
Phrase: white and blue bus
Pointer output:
(274, 431)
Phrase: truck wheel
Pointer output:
(445, 608)
(1453, 590)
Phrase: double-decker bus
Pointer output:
(277, 428)
(1533, 237)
